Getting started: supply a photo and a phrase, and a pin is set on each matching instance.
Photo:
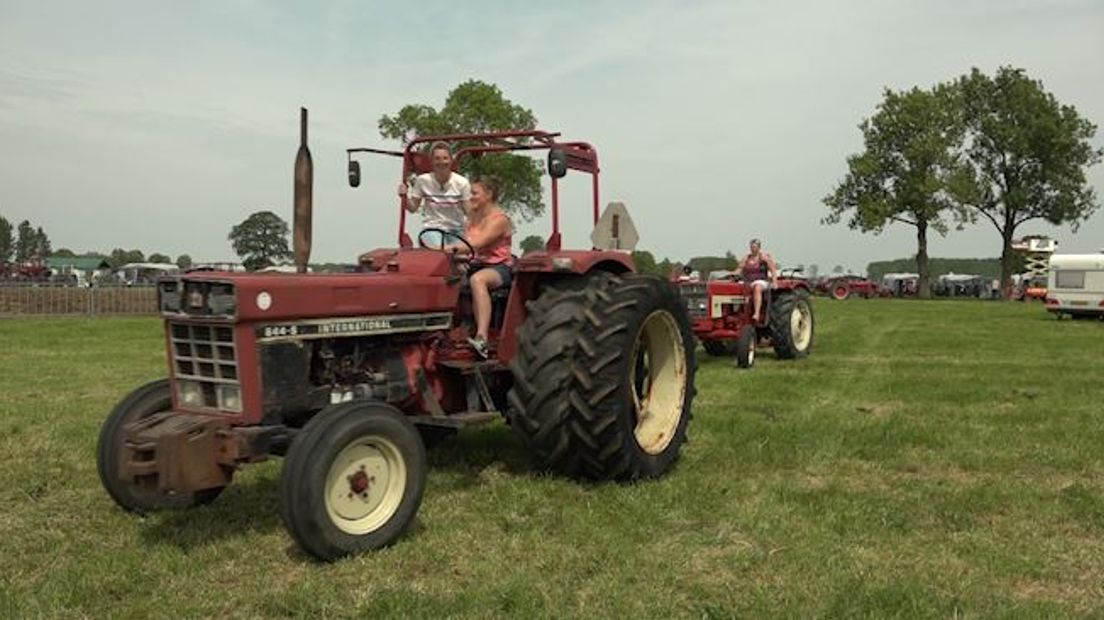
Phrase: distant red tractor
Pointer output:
(842, 287)
(721, 315)
(592, 365)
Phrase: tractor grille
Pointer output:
(205, 355)
(696, 299)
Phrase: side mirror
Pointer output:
(557, 163)
(687, 270)
(354, 173)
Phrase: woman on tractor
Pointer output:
(490, 234)
(759, 271)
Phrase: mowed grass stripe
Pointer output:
(930, 459)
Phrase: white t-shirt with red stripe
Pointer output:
(443, 203)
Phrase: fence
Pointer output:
(27, 299)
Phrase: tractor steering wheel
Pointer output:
(444, 233)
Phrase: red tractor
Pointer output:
(842, 287)
(341, 374)
(721, 314)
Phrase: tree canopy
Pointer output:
(1027, 155)
(474, 107)
(261, 240)
(7, 241)
(907, 172)
(532, 243)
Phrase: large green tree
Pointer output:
(184, 261)
(120, 257)
(159, 258)
(1027, 155)
(261, 240)
(474, 107)
(42, 245)
(532, 243)
(25, 242)
(908, 172)
(7, 241)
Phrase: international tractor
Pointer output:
(721, 315)
(590, 363)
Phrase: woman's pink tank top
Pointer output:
(499, 251)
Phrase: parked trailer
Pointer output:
(1075, 285)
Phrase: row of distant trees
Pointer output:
(997, 149)
(22, 243)
(26, 242)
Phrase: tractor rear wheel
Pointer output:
(745, 347)
(604, 378)
(791, 324)
(352, 480)
(132, 496)
(720, 348)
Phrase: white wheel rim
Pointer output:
(751, 355)
(801, 325)
(659, 409)
(365, 485)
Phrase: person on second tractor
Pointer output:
(442, 195)
(489, 232)
(760, 272)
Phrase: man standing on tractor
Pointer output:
(760, 272)
(443, 196)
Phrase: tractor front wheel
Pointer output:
(604, 378)
(745, 347)
(841, 292)
(140, 496)
(791, 325)
(352, 480)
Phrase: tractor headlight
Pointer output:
(220, 299)
(189, 393)
(168, 293)
(229, 397)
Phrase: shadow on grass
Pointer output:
(243, 508)
(468, 454)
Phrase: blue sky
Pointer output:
(159, 125)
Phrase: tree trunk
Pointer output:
(1008, 258)
(923, 283)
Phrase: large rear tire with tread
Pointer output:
(720, 348)
(353, 480)
(791, 324)
(154, 397)
(604, 377)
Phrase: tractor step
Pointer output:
(466, 366)
(456, 420)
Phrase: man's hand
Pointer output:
(402, 189)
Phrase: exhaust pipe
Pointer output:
(303, 199)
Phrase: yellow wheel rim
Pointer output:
(657, 379)
(801, 325)
(365, 485)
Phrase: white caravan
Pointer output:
(1075, 285)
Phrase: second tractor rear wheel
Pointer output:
(791, 324)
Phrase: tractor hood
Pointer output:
(411, 281)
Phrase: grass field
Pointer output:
(931, 459)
